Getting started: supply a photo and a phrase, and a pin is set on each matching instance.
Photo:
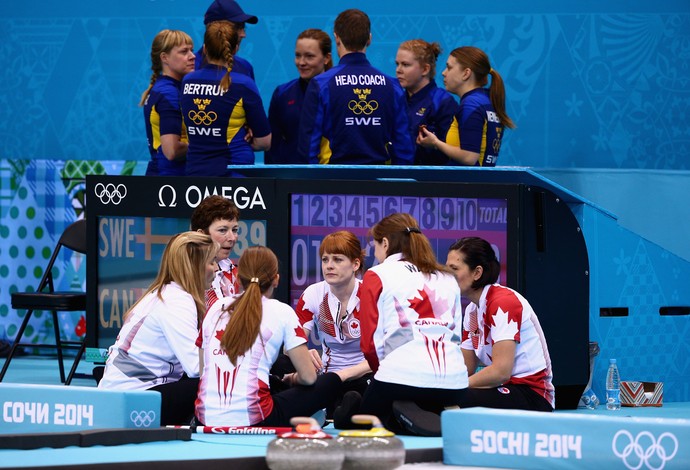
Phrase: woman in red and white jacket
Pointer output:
(502, 333)
(241, 338)
(410, 315)
(328, 311)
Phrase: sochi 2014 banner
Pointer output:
(482, 437)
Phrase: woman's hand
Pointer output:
(249, 136)
(290, 379)
(354, 372)
(316, 360)
(500, 370)
(305, 373)
(426, 138)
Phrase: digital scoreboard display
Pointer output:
(442, 219)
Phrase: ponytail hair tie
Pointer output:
(409, 230)
(254, 279)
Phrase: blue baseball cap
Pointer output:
(228, 10)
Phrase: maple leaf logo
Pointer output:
(422, 304)
(505, 322)
(300, 332)
(219, 335)
(427, 303)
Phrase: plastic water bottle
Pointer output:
(613, 387)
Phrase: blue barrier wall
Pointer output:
(647, 202)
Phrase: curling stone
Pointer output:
(308, 447)
(375, 448)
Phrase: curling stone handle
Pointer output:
(374, 421)
(297, 420)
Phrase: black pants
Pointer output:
(379, 397)
(284, 366)
(302, 400)
(506, 397)
(358, 385)
(177, 400)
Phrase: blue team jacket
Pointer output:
(354, 114)
(162, 116)
(476, 127)
(217, 121)
(284, 114)
(435, 108)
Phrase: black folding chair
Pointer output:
(47, 299)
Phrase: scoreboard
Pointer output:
(442, 219)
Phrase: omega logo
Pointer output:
(173, 196)
(242, 196)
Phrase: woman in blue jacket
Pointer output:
(172, 57)
(429, 106)
(312, 57)
(476, 134)
(225, 117)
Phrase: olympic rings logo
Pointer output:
(644, 449)
(202, 117)
(363, 107)
(110, 193)
(142, 419)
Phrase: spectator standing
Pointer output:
(428, 105)
(476, 134)
(222, 109)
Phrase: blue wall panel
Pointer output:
(630, 272)
(593, 84)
